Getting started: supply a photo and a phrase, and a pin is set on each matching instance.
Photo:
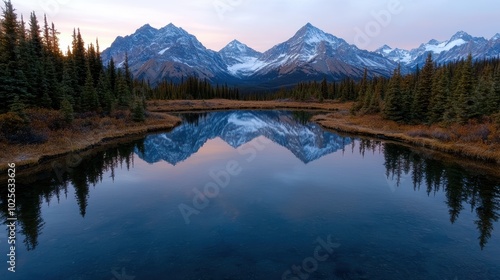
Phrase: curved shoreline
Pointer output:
(338, 120)
(465, 150)
(96, 138)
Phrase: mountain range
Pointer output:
(459, 46)
(171, 53)
(307, 141)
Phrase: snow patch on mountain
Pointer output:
(445, 46)
(171, 53)
(163, 51)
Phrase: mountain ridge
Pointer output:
(457, 47)
(171, 53)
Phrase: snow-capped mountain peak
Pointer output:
(312, 51)
(384, 49)
(172, 30)
(235, 47)
(166, 53)
(310, 34)
(146, 28)
(461, 35)
(235, 44)
(459, 46)
(310, 54)
(238, 57)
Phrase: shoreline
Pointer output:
(335, 116)
(468, 151)
(63, 145)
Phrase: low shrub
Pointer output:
(441, 135)
(476, 133)
(16, 130)
(418, 133)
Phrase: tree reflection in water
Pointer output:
(463, 188)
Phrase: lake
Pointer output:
(255, 195)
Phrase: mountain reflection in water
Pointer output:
(465, 190)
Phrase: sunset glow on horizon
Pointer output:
(263, 24)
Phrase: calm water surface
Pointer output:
(255, 195)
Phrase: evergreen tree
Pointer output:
(37, 81)
(484, 103)
(324, 90)
(122, 91)
(422, 96)
(68, 83)
(67, 110)
(439, 99)
(494, 99)
(90, 100)
(464, 103)
(104, 93)
(13, 82)
(128, 75)
(393, 100)
(19, 108)
(79, 59)
(138, 114)
(112, 76)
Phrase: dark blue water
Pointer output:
(255, 195)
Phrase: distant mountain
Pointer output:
(171, 53)
(167, 53)
(308, 142)
(457, 47)
(313, 54)
(238, 58)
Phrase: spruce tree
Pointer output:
(495, 97)
(393, 100)
(90, 100)
(440, 92)
(122, 91)
(19, 108)
(13, 82)
(67, 110)
(104, 93)
(484, 92)
(37, 81)
(79, 59)
(138, 114)
(324, 90)
(464, 103)
(422, 96)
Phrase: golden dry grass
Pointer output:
(461, 140)
(83, 134)
(223, 104)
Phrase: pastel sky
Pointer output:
(262, 24)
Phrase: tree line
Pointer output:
(34, 72)
(191, 88)
(455, 92)
(452, 93)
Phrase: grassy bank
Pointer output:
(87, 131)
(473, 140)
(224, 104)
